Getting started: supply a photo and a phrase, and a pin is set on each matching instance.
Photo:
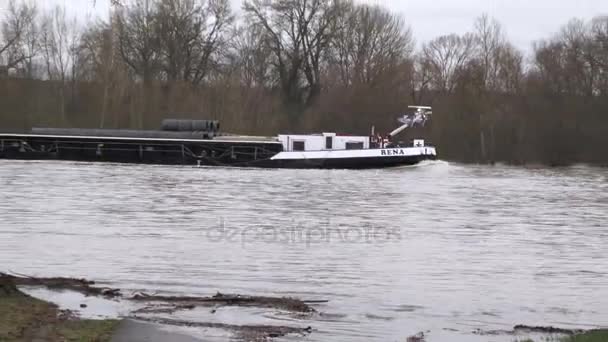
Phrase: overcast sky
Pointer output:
(524, 20)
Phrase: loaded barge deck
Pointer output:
(226, 151)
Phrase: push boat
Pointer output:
(199, 143)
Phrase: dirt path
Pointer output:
(135, 331)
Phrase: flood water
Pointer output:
(439, 248)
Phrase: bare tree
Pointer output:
(548, 57)
(138, 42)
(571, 62)
(599, 37)
(60, 38)
(252, 57)
(490, 40)
(446, 57)
(139, 47)
(101, 60)
(599, 33)
(32, 48)
(299, 32)
(500, 63)
(421, 80)
(191, 34)
(16, 31)
(370, 43)
(510, 70)
(581, 68)
(178, 27)
(60, 42)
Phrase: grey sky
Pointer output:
(524, 20)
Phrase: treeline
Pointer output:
(308, 65)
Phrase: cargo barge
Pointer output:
(199, 143)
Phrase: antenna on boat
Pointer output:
(418, 118)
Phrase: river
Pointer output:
(439, 248)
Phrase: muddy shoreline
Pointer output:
(159, 304)
(24, 318)
(42, 321)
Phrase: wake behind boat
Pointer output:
(199, 142)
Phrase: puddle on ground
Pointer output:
(96, 307)
(236, 315)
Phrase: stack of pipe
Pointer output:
(122, 133)
(170, 129)
(181, 125)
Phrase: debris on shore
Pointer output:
(546, 330)
(87, 287)
(568, 335)
(419, 337)
(253, 333)
(78, 285)
(163, 309)
(219, 299)
(159, 304)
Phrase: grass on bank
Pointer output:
(589, 336)
(23, 318)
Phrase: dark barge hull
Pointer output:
(136, 150)
(197, 152)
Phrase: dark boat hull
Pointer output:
(135, 150)
(181, 152)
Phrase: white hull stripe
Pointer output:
(367, 153)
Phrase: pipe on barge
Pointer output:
(183, 125)
(124, 133)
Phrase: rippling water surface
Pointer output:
(440, 248)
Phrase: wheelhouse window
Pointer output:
(354, 145)
(329, 143)
(298, 146)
